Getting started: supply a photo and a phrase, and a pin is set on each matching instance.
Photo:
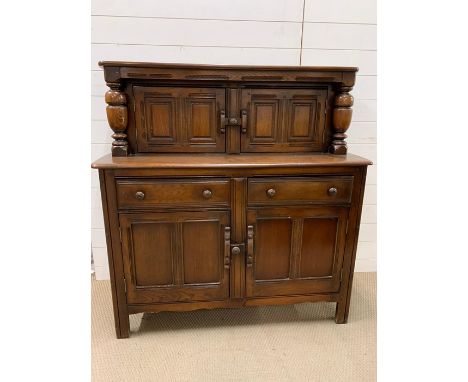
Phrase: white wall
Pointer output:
(263, 32)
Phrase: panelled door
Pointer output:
(284, 120)
(176, 256)
(295, 250)
(181, 120)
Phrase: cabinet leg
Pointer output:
(341, 314)
(122, 327)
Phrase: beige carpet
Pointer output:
(281, 343)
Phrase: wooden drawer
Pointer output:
(321, 190)
(133, 193)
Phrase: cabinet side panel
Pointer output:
(110, 256)
(119, 298)
(342, 308)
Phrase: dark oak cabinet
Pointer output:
(229, 186)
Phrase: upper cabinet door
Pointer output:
(179, 120)
(284, 120)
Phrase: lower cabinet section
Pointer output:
(295, 250)
(175, 256)
(200, 243)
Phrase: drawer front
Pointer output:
(173, 193)
(322, 190)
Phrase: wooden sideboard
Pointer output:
(229, 186)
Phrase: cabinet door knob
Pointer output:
(140, 195)
(271, 192)
(332, 191)
(235, 250)
(207, 194)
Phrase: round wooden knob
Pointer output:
(332, 191)
(271, 192)
(207, 194)
(140, 195)
(235, 250)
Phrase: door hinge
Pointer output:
(341, 275)
(120, 233)
(347, 223)
(125, 285)
(326, 106)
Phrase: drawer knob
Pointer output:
(235, 250)
(332, 191)
(271, 192)
(140, 195)
(207, 194)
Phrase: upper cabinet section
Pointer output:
(173, 108)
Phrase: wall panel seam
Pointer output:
(200, 19)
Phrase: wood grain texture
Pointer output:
(190, 246)
(342, 114)
(164, 193)
(117, 116)
(293, 190)
(229, 161)
(238, 223)
(116, 71)
(116, 265)
(284, 120)
(179, 119)
(286, 261)
(342, 307)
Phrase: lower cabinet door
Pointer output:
(295, 250)
(175, 256)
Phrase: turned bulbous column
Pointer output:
(117, 116)
(342, 113)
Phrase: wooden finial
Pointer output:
(342, 114)
(117, 116)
